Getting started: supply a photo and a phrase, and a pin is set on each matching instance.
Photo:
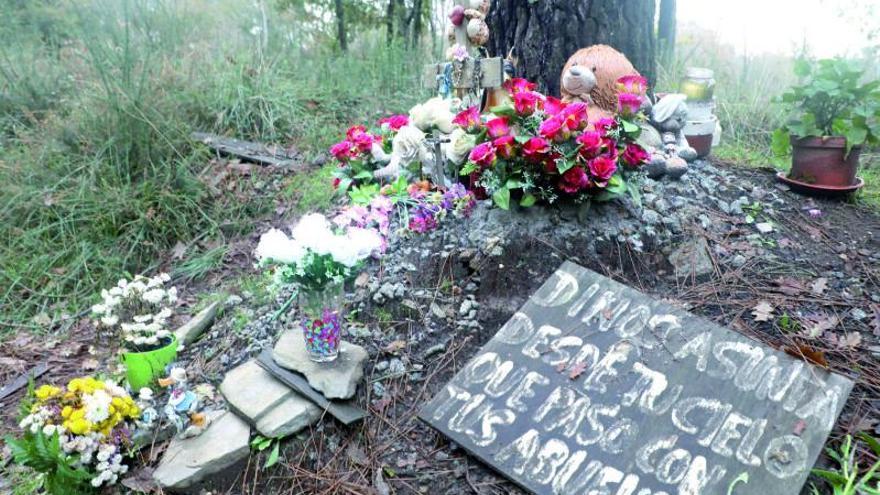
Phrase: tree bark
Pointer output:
(389, 20)
(666, 29)
(546, 33)
(340, 25)
(417, 22)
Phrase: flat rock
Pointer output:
(190, 461)
(692, 258)
(274, 408)
(337, 379)
(191, 330)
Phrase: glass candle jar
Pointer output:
(698, 84)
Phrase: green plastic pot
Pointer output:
(142, 368)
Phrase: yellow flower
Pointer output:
(47, 392)
(65, 413)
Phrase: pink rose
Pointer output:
(526, 102)
(518, 85)
(468, 119)
(573, 180)
(457, 15)
(602, 168)
(353, 132)
(395, 122)
(628, 104)
(632, 83)
(553, 106)
(575, 116)
(505, 146)
(536, 149)
(591, 144)
(483, 155)
(554, 129)
(365, 141)
(604, 125)
(342, 151)
(634, 155)
(498, 127)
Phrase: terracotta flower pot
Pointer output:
(823, 161)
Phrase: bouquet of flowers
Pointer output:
(76, 436)
(432, 206)
(537, 148)
(139, 310)
(318, 260)
(364, 151)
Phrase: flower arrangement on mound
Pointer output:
(76, 436)
(139, 310)
(539, 149)
(363, 151)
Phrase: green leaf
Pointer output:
(872, 442)
(521, 139)
(501, 198)
(528, 200)
(273, 456)
(564, 165)
(260, 442)
(780, 144)
(469, 168)
(855, 136)
(364, 175)
(634, 193)
(832, 476)
(505, 109)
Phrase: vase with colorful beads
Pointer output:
(321, 320)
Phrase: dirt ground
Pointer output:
(818, 272)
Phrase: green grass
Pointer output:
(98, 177)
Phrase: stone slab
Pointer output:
(337, 379)
(344, 411)
(594, 387)
(190, 461)
(191, 330)
(268, 404)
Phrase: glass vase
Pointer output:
(321, 320)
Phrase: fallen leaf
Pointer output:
(141, 481)
(799, 426)
(763, 311)
(821, 324)
(357, 455)
(395, 347)
(849, 340)
(807, 353)
(790, 286)
(576, 370)
(819, 286)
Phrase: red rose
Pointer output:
(550, 162)
(591, 144)
(468, 119)
(574, 180)
(526, 102)
(604, 125)
(365, 141)
(498, 127)
(602, 168)
(353, 132)
(553, 106)
(575, 116)
(634, 155)
(554, 129)
(536, 149)
(483, 155)
(518, 85)
(505, 146)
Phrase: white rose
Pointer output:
(460, 146)
(314, 232)
(276, 246)
(435, 112)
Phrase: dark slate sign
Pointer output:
(595, 388)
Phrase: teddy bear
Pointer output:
(591, 75)
(669, 117)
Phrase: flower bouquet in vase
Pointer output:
(138, 311)
(317, 259)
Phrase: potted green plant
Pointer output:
(138, 311)
(832, 114)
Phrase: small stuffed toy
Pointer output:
(669, 117)
(407, 147)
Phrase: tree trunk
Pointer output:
(389, 20)
(666, 29)
(546, 33)
(417, 22)
(340, 25)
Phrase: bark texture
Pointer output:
(666, 29)
(544, 33)
(340, 25)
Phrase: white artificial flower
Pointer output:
(276, 246)
(178, 374)
(172, 294)
(314, 232)
(164, 277)
(99, 309)
(145, 394)
(365, 241)
(460, 145)
(109, 321)
(49, 430)
(154, 296)
(434, 113)
(97, 405)
(142, 318)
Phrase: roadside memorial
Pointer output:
(595, 386)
